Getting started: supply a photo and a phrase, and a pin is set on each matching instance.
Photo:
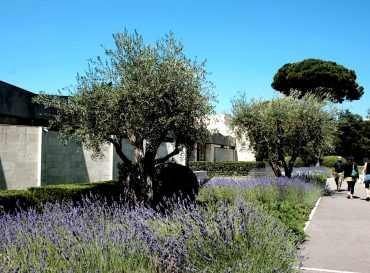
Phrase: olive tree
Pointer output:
(326, 79)
(146, 94)
(284, 128)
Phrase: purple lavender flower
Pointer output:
(96, 237)
(250, 183)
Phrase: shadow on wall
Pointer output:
(2, 177)
(62, 164)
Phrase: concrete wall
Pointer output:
(16, 107)
(128, 151)
(210, 152)
(72, 163)
(167, 147)
(20, 153)
(32, 156)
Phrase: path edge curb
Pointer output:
(311, 214)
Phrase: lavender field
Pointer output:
(218, 234)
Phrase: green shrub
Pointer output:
(293, 216)
(223, 168)
(298, 162)
(320, 179)
(328, 161)
(12, 200)
(111, 190)
(55, 193)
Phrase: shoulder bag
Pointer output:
(354, 172)
(367, 176)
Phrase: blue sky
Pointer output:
(44, 44)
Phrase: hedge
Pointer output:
(12, 200)
(57, 193)
(223, 168)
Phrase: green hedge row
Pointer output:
(221, 168)
(11, 200)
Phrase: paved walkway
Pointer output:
(339, 233)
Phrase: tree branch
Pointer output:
(118, 146)
(171, 154)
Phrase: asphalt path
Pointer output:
(338, 233)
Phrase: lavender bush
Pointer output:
(267, 189)
(223, 237)
(288, 199)
(97, 237)
(228, 234)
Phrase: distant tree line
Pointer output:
(333, 82)
(353, 136)
(300, 124)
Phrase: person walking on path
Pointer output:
(338, 238)
(338, 174)
(350, 175)
(366, 174)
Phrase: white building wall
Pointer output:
(243, 153)
(218, 124)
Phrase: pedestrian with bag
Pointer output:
(351, 175)
(366, 174)
(338, 172)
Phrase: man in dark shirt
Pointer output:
(338, 172)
